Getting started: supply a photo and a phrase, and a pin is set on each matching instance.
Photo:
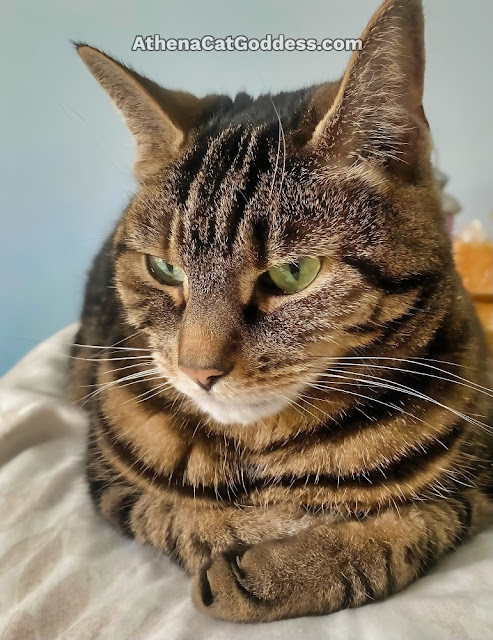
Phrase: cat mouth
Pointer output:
(241, 408)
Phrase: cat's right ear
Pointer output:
(158, 118)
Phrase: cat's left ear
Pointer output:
(377, 116)
(158, 118)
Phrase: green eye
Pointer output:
(164, 272)
(295, 276)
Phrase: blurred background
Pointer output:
(66, 155)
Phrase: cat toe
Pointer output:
(223, 589)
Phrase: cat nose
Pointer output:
(205, 378)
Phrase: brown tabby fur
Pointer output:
(336, 461)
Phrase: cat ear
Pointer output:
(158, 118)
(377, 115)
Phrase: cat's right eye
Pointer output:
(164, 272)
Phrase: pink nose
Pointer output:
(205, 378)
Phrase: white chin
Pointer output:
(230, 412)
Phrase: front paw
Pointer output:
(243, 586)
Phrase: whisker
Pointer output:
(101, 359)
(156, 389)
(464, 381)
(110, 384)
(413, 417)
(283, 174)
(294, 404)
(407, 390)
(132, 335)
(139, 375)
(128, 366)
(102, 347)
(281, 132)
(327, 385)
(278, 152)
(410, 359)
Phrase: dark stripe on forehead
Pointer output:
(259, 164)
(243, 149)
(198, 222)
(189, 167)
(216, 165)
(227, 177)
(260, 233)
(231, 154)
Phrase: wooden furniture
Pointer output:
(474, 258)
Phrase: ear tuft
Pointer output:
(78, 43)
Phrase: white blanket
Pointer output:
(65, 574)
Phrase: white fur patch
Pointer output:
(240, 409)
(228, 412)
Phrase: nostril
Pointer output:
(208, 382)
(205, 378)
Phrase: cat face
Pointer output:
(293, 229)
(223, 228)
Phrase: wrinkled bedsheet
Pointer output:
(65, 574)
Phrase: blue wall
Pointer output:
(66, 157)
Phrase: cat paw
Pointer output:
(242, 587)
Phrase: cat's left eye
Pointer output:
(292, 277)
(164, 272)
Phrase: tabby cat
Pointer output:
(288, 387)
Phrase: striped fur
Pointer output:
(349, 446)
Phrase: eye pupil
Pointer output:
(295, 270)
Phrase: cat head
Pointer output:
(268, 233)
